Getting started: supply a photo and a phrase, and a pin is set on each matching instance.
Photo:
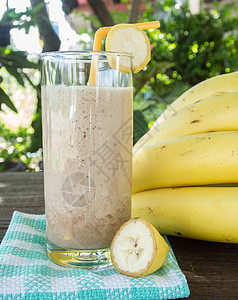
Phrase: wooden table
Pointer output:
(211, 268)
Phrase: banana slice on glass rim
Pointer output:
(131, 39)
(138, 249)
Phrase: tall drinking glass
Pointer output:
(87, 149)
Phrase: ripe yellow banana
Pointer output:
(206, 213)
(215, 113)
(205, 158)
(215, 85)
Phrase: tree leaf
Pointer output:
(154, 69)
(36, 87)
(14, 72)
(140, 126)
(5, 99)
(18, 59)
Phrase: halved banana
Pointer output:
(131, 39)
(138, 249)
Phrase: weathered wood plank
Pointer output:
(21, 178)
(210, 268)
(22, 192)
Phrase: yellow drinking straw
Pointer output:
(99, 35)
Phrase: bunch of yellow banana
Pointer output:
(185, 169)
(211, 87)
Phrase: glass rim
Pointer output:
(80, 54)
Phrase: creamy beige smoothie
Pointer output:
(88, 179)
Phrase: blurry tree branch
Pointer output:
(101, 12)
(135, 9)
(47, 34)
(69, 5)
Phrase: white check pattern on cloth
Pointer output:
(26, 272)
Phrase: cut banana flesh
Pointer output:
(133, 247)
(131, 39)
(138, 249)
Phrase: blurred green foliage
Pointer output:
(186, 50)
(16, 63)
(14, 147)
(202, 45)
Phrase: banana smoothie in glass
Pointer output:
(87, 146)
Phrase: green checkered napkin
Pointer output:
(27, 273)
